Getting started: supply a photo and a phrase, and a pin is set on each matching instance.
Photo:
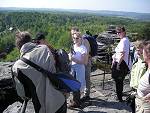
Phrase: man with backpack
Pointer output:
(86, 43)
(33, 84)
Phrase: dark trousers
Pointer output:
(133, 105)
(119, 75)
(119, 87)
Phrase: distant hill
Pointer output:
(131, 15)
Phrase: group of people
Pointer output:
(30, 83)
(140, 78)
(139, 71)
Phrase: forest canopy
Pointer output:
(57, 27)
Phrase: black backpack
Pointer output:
(62, 61)
(93, 44)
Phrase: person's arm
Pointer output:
(82, 61)
(121, 57)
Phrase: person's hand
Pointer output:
(147, 98)
(70, 56)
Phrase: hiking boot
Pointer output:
(84, 98)
(73, 104)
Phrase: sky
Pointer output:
(140, 6)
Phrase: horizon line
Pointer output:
(75, 9)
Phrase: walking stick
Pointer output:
(24, 105)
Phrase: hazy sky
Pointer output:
(115, 5)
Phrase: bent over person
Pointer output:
(32, 83)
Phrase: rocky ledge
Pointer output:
(8, 93)
(102, 94)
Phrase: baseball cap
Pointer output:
(39, 36)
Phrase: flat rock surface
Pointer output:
(103, 96)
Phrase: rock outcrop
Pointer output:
(102, 95)
(8, 93)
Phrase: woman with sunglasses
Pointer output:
(78, 60)
(121, 61)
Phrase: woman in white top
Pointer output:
(121, 61)
(78, 60)
(143, 90)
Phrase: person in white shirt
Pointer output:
(121, 63)
(88, 65)
(143, 91)
(78, 59)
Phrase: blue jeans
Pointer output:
(79, 73)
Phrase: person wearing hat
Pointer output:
(40, 39)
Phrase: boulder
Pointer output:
(8, 93)
(16, 108)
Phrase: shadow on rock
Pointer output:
(105, 104)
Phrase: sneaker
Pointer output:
(84, 98)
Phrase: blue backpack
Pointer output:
(93, 44)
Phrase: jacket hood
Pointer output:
(27, 47)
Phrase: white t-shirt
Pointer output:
(123, 46)
(144, 85)
(79, 51)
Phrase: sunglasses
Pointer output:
(76, 38)
(118, 32)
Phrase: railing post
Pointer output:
(104, 71)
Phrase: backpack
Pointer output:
(61, 81)
(93, 44)
(62, 61)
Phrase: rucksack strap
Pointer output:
(35, 66)
(46, 73)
